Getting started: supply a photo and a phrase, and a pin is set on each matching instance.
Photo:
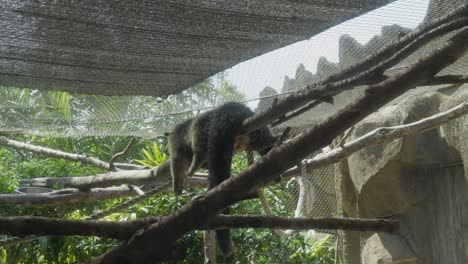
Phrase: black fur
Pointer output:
(208, 139)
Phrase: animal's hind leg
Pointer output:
(199, 150)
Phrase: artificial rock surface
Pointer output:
(419, 180)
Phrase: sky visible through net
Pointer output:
(62, 114)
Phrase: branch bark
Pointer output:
(366, 71)
(375, 137)
(155, 176)
(379, 136)
(64, 155)
(157, 240)
(448, 79)
(45, 226)
(66, 196)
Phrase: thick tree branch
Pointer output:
(157, 240)
(375, 137)
(304, 223)
(448, 79)
(64, 155)
(66, 196)
(155, 176)
(390, 49)
(379, 136)
(45, 226)
(367, 71)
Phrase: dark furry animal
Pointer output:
(209, 140)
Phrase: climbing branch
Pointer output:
(397, 45)
(448, 79)
(161, 174)
(380, 136)
(368, 71)
(155, 176)
(66, 196)
(159, 239)
(64, 155)
(44, 226)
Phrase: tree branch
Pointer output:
(375, 137)
(158, 239)
(120, 154)
(66, 196)
(64, 155)
(45, 226)
(366, 71)
(379, 136)
(448, 79)
(155, 176)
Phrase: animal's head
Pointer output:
(261, 140)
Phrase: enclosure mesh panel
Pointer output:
(43, 112)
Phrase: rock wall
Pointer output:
(419, 180)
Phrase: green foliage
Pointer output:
(254, 245)
(153, 159)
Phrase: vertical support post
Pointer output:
(210, 247)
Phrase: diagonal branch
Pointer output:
(448, 79)
(155, 176)
(157, 240)
(380, 136)
(66, 196)
(339, 82)
(64, 155)
(375, 137)
(394, 47)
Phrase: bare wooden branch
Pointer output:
(379, 136)
(46, 226)
(296, 113)
(363, 72)
(448, 79)
(126, 204)
(155, 176)
(390, 49)
(66, 196)
(305, 223)
(120, 154)
(135, 177)
(64, 155)
(158, 239)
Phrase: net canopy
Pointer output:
(149, 47)
(136, 49)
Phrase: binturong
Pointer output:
(209, 140)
